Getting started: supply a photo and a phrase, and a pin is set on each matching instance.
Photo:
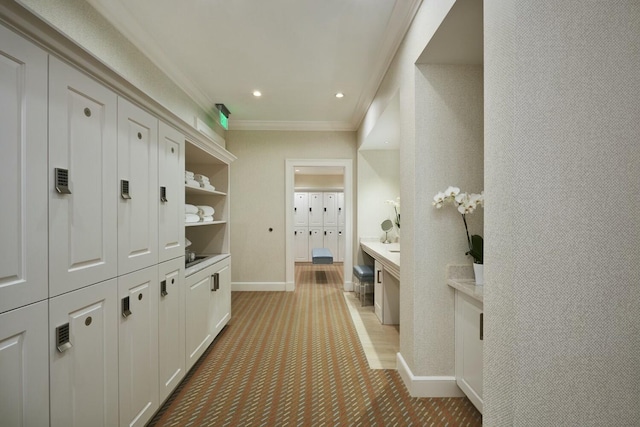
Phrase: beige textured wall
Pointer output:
(258, 194)
(319, 181)
(83, 24)
(562, 293)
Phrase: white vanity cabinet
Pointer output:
(83, 356)
(171, 152)
(23, 218)
(469, 318)
(171, 326)
(378, 290)
(24, 366)
(138, 192)
(83, 226)
(220, 308)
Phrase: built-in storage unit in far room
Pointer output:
(94, 292)
(319, 223)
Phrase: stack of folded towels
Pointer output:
(200, 213)
(189, 179)
(203, 181)
(205, 213)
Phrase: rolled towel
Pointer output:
(190, 209)
(207, 218)
(191, 218)
(204, 210)
(208, 187)
(187, 242)
(189, 174)
(201, 178)
(192, 182)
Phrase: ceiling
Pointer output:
(297, 53)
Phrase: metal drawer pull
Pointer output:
(163, 194)
(481, 326)
(63, 342)
(124, 189)
(62, 180)
(126, 312)
(163, 288)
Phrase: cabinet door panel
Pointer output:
(330, 209)
(24, 366)
(316, 211)
(301, 210)
(171, 179)
(82, 140)
(221, 297)
(84, 377)
(316, 240)
(171, 327)
(198, 288)
(23, 165)
(138, 166)
(341, 211)
(341, 245)
(330, 240)
(301, 244)
(138, 346)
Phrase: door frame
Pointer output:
(290, 165)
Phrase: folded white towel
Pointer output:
(207, 219)
(189, 174)
(192, 182)
(201, 178)
(190, 218)
(204, 210)
(187, 242)
(190, 209)
(208, 187)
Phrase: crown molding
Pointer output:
(290, 125)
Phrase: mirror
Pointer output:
(387, 226)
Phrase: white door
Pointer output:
(316, 210)
(316, 240)
(341, 245)
(83, 148)
(330, 209)
(138, 192)
(83, 356)
(24, 366)
(301, 244)
(138, 346)
(469, 347)
(330, 240)
(171, 327)
(171, 187)
(341, 211)
(378, 291)
(301, 210)
(198, 336)
(23, 217)
(220, 309)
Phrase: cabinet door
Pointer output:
(316, 240)
(171, 182)
(301, 210)
(83, 355)
(330, 210)
(220, 309)
(341, 245)
(171, 327)
(82, 215)
(138, 188)
(316, 210)
(330, 240)
(23, 216)
(198, 288)
(341, 211)
(138, 346)
(301, 244)
(24, 366)
(378, 294)
(469, 347)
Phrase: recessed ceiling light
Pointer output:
(339, 95)
(297, 170)
(257, 93)
(386, 142)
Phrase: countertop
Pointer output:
(460, 277)
(213, 258)
(388, 254)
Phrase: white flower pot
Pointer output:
(478, 270)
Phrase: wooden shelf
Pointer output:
(190, 189)
(198, 224)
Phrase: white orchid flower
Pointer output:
(451, 191)
(476, 199)
(461, 198)
(438, 200)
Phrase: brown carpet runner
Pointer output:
(294, 359)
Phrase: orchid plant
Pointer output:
(396, 207)
(466, 204)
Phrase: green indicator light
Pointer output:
(224, 121)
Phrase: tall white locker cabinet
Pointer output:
(301, 210)
(83, 356)
(316, 211)
(171, 153)
(330, 210)
(138, 188)
(301, 244)
(23, 165)
(341, 212)
(82, 188)
(330, 240)
(24, 366)
(316, 239)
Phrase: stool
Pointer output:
(363, 285)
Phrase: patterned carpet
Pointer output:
(294, 359)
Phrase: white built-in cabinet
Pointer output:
(93, 295)
(469, 325)
(318, 216)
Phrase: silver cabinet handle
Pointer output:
(126, 310)
(481, 326)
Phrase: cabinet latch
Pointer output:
(63, 340)
(124, 189)
(163, 288)
(163, 194)
(126, 310)
(62, 180)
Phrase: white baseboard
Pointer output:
(258, 286)
(423, 386)
(348, 286)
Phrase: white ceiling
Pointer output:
(298, 53)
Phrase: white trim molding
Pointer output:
(290, 125)
(423, 386)
(258, 286)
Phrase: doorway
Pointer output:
(347, 167)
